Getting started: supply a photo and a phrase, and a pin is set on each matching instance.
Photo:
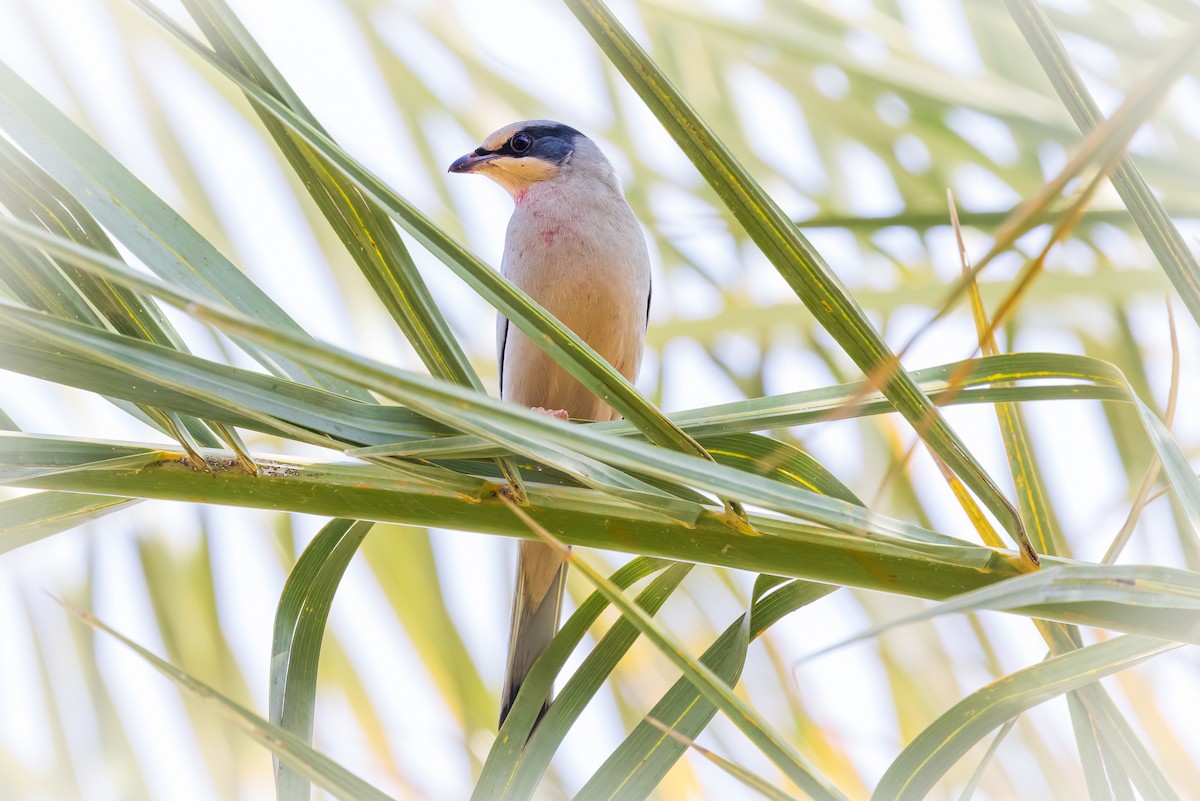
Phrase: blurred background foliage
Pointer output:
(856, 117)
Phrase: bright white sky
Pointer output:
(267, 229)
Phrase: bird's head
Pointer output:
(526, 153)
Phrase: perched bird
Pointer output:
(574, 245)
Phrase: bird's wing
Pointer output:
(649, 297)
(501, 339)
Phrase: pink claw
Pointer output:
(561, 414)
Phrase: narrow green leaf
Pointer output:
(29, 518)
(27, 466)
(927, 758)
(43, 200)
(539, 435)
(1145, 586)
(462, 412)
(643, 758)
(936, 218)
(1128, 760)
(747, 778)
(1034, 503)
(188, 384)
(763, 456)
(1124, 756)
(814, 406)
(1183, 479)
(300, 620)
(83, 340)
(637, 766)
(471, 411)
(1104, 778)
(1168, 246)
(363, 227)
(711, 686)
(791, 253)
(928, 566)
(368, 233)
(535, 757)
(544, 439)
(507, 754)
(136, 216)
(317, 768)
(62, 289)
(191, 385)
(116, 748)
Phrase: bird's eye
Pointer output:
(521, 142)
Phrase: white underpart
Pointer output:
(575, 246)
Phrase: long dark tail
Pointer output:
(537, 603)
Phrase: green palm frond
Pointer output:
(795, 192)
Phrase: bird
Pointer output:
(574, 245)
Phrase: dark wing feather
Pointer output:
(501, 339)
(649, 297)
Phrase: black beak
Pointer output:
(471, 162)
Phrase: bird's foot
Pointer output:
(561, 414)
